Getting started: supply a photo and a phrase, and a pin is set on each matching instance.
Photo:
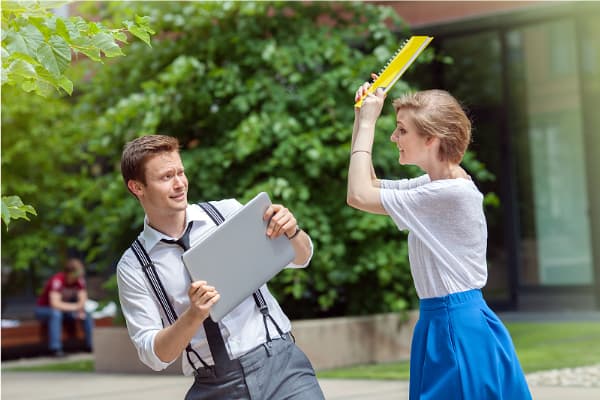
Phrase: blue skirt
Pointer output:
(462, 351)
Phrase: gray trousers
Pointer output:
(277, 371)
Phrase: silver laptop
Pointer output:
(238, 257)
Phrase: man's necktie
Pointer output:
(213, 333)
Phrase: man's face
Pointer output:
(73, 271)
(166, 185)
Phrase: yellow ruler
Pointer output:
(396, 66)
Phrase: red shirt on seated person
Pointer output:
(64, 297)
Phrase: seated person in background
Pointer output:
(64, 297)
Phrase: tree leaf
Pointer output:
(62, 30)
(15, 43)
(120, 36)
(13, 208)
(106, 44)
(140, 34)
(54, 56)
(21, 68)
(66, 84)
(5, 213)
(33, 39)
(84, 45)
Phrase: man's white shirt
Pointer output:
(242, 329)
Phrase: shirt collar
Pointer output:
(151, 236)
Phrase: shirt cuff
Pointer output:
(149, 357)
(295, 266)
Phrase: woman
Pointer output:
(460, 349)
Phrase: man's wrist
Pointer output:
(293, 235)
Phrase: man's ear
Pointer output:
(135, 187)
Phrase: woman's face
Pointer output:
(411, 145)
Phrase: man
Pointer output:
(244, 356)
(63, 298)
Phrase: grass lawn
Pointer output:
(58, 366)
(540, 346)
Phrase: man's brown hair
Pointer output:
(137, 152)
(74, 267)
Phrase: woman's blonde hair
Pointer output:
(436, 113)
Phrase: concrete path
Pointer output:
(94, 386)
(98, 386)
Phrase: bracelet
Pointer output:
(298, 230)
(360, 151)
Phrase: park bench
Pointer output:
(30, 338)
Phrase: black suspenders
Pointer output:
(160, 293)
(218, 219)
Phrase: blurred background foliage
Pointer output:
(38, 46)
(260, 95)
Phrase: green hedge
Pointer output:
(261, 95)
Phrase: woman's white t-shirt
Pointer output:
(447, 238)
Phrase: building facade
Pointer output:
(529, 75)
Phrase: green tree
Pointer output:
(37, 48)
(260, 94)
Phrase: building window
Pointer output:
(548, 136)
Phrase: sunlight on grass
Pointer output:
(543, 345)
(540, 346)
(68, 366)
(387, 371)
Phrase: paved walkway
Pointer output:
(571, 384)
(93, 386)
(96, 386)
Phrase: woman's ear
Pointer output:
(430, 140)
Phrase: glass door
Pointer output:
(547, 128)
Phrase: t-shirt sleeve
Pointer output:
(406, 207)
(56, 284)
(442, 214)
(81, 284)
(421, 208)
(404, 184)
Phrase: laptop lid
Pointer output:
(237, 257)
